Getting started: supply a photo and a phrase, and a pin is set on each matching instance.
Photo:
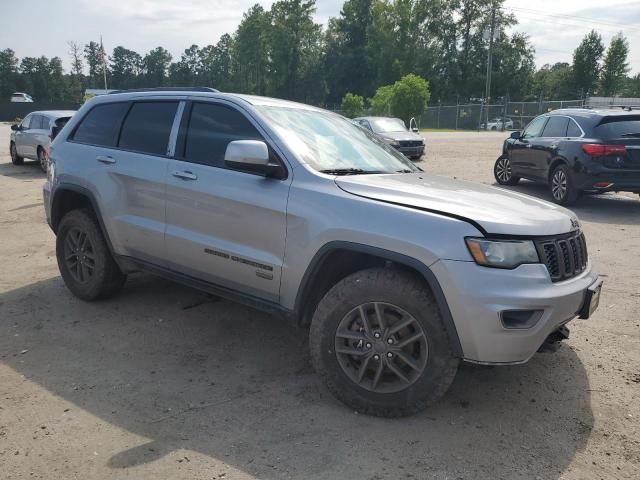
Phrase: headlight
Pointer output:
(502, 253)
(392, 142)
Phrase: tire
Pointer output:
(493, 129)
(503, 173)
(15, 158)
(397, 296)
(43, 160)
(80, 235)
(563, 192)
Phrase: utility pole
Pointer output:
(104, 63)
(487, 93)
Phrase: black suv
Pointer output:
(574, 151)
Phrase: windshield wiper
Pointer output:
(349, 171)
(630, 134)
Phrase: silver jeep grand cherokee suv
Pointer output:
(399, 274)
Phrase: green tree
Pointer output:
(553, 82)
(615, 66)
(409, 97)
(8, 73)
(126, 68)
(92, 55)
(381, 102)
(352, 105)
(156, 66)
(633, 86)
(251, 51)
(184, 73)
(75, 82)
(586, 63)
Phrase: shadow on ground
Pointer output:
(608, 208)
(30, 169)
(172, 365)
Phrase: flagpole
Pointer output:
(104, 63)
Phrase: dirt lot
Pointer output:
(164, 383)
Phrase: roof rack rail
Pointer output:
(167, 89)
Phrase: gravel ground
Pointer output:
(164, 383)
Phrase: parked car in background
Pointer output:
(398, 274)
(20, 97)
(394, 132)
(497, 124)
(574, 151)
(31, 138)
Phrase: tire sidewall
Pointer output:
(42, 160)
(570, 194)
(512, 179)
(322, 342)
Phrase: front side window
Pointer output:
(147, 127)
(330, 142)
(100, 126)
(26, 121)
(211, 128)
(556, 127)
(534, 129)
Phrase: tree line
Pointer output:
(283, 52)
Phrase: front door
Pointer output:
(22, 136)
(224, 226)
(521, 157)
(546, 146)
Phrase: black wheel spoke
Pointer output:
(407, 360)
(351, 351)
(404, 322)
(351, 335)
(397, 371)
(365, 320)
(379, 308)
(363, 368)
(379, 370)
(79, 255)
(413, 338)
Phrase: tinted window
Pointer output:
(556, 127)
(26, 121)
(44, 123)
(619, 127)
(35, 122)
(148, 126)
(573, 130)
(211, 128)
(100, 126)
(534, 129)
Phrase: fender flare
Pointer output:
(398, 258)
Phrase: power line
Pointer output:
(573, 17)
(550, 18)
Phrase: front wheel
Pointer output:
(503, 173)
(563, 192)
(43, 160)
(15, 158)
(378, 341)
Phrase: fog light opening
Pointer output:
(518, 319)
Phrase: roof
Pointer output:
(373, 117)
(56, 113)
(592, 112)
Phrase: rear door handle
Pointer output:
(105, 159)
(184, 175)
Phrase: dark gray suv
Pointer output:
(398, 274)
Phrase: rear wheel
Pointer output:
(42, 159)
(563, 192)
(84, 259)
(378, 341)
(15, 158)
(503, 173)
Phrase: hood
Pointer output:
(399, 136)
(495, 210)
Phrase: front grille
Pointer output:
(410, 143)
(564, 256)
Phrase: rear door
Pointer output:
(126, 146)
(521, 158)
(224, 226)
(546, 147)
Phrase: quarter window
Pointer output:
(148, 126)
(534, 129)
(573, 130)
(100, 126)
(556, 127)
(211, 128)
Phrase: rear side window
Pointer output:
(211, 128)
(148, 126)
(44, 122)
(619, 127)
(556, 127)
(573, 130)
(100, 126)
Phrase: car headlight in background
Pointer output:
(502, 253)
(391, 141)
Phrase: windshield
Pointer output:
(329, 142)
(381, 125)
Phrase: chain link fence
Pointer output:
(472, 116)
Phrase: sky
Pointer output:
(555, 27)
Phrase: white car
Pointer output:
(20, 97)
(496, 124)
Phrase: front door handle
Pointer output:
(105, 159)
(184, 175)
(529, 145)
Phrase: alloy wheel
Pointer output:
(503, 170)
(559, 184)
(42, 158)
(14, 153)
(381, 347)
(79, 255)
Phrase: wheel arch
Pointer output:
(338, 259)
(554, 164)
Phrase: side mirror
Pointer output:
(252, 156)
(15, 127)
(515, 135)
(415, 130)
